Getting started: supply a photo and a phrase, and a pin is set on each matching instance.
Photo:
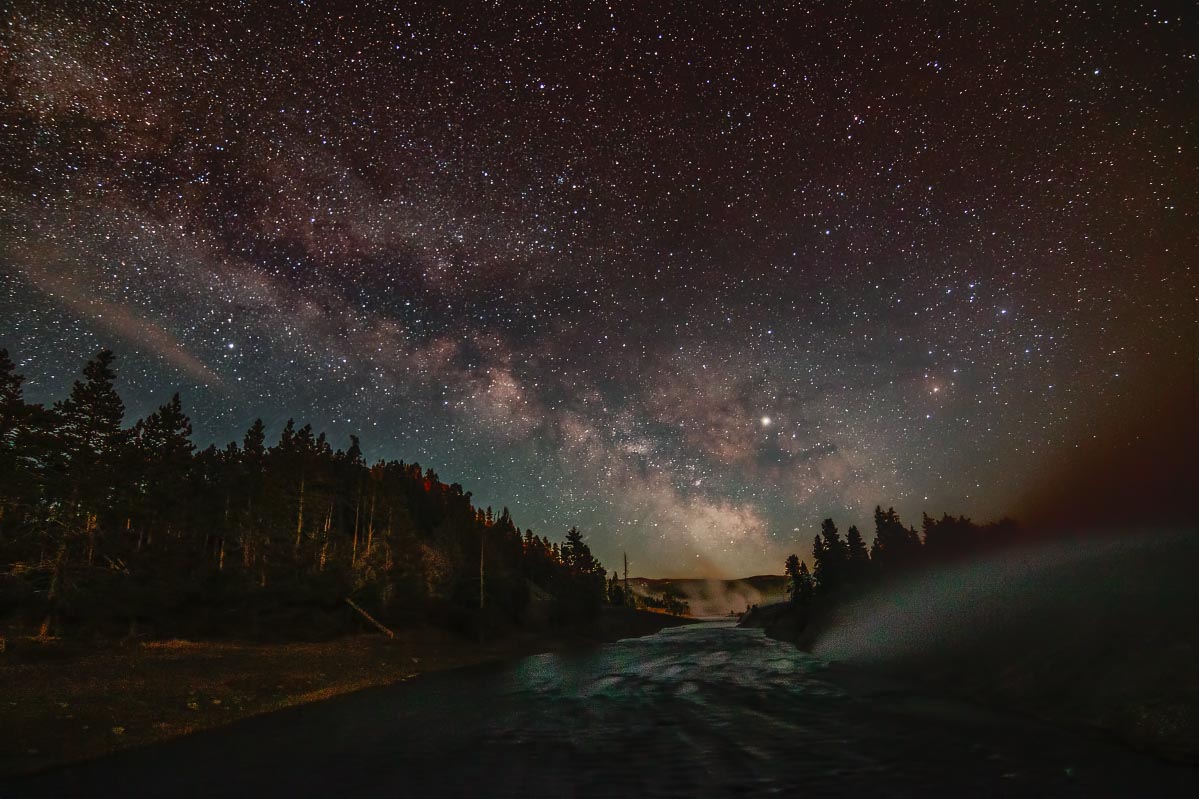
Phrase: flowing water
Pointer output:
(705, 710)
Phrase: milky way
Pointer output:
(689, 279)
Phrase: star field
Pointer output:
(689, 277)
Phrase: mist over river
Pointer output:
(703, 710)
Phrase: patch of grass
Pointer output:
(66, 702)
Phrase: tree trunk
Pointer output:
(357, 514)
(389, 561)
(300, 518)
(324, 559)
(247, 539)
(60, 564)
(379, 625)
(90, 526)
(370, 526)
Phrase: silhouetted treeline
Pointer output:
(665, 603)
(845, 565)
(114, 530)
(619, 593)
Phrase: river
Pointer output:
(704, 710)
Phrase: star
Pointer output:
(574, 285)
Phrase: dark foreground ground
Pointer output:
(697, 711)
(62, 702)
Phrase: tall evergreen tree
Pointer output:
(800, 585)
(163, 442)
(791, 572)
(829, 557)
(89, 445)
(12, 415)
(88, 422)
(92, 443)
(254, 442)
(895, 546)
(12, 401)
(166, 433)
(581, 585)
(805, 585)
(949, 536)
(857, 556)
(576, 554)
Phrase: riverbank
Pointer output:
(62, 702)
(704, 711)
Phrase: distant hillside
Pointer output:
(714, 597)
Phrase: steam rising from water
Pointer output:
(1098, 633)
(1072, 583)
(715, 598)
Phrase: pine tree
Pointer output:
(820, 558)
(254, 442)
(791, 571)
(166, 434)
(89, 420)
(246, 494)
(13, 413)
(949, 536)
(287, 437)
(163, 442)
(92, 444)
(806, 587)
(857, 564)
(829, 557)
(353, 454)
(89, 446)
(12, 401)
(895, 546)
(580, 581)
(576, 554)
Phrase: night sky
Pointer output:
(690, 276)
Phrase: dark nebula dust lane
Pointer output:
(704, 710)
(692, 278)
